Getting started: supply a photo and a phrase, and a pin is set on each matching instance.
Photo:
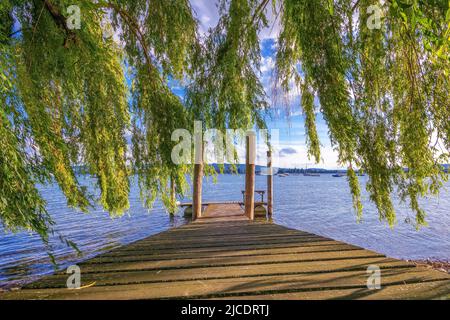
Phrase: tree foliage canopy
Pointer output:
(383, 91)
(74, 96)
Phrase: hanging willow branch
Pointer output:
(381, 90)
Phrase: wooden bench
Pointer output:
(260, 192)
(206, 203)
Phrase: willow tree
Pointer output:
(226, 91)
(74, 96)
(382, 86)
(102, 100)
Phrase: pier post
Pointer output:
(198, 175)
(172, 193)
(269, 183)
(250, 175)
(197, 197)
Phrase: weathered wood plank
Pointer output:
(235, 287)
(140, 264)
(423, 291)
(221, 253)
(205, 273)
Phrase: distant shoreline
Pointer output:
(259, 169)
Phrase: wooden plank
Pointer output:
(307, 241)
(205, 273)
(141, 263)
(224, 259)
(224, 253)
(224, 212)
(263, 285)
(220, 251)
(418, 291)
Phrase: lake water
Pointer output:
(321, 205)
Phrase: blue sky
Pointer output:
(292, 149)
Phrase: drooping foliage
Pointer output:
(160, 41)
(102, 100)
(226, 91)
(380, 73)
(74, 96)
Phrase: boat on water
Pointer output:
(311, 174)
(338, 175)
(282, 175)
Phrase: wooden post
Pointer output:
(250, 175)
(269, 183)
(198, 174)
(197, 197)
(172, 192)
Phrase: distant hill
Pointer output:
(227, 168)
(262, 169)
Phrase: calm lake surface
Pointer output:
(321, 205)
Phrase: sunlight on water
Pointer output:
(320, 205)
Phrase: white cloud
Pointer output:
(267, 65)
(273, 29)
(299, 158)
(207, 13)
(285, 152)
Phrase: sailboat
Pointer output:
(338, 175)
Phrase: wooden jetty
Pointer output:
(224, 255)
